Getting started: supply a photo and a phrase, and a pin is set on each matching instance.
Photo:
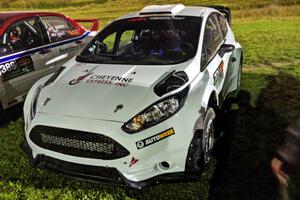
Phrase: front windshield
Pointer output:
(142, 41)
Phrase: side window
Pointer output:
(58, 28)
(223, 24)
(22, 35)
(109, 42)
(213, 38)
(126, 38)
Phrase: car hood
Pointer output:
(101, 91)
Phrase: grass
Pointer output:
(269, 33)
(269, 41)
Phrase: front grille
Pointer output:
(77, 143)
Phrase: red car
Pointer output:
(33, 44)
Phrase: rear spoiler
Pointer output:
(225, 11)
(94, 21)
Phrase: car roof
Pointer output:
(169, 10)
(6, 15)
(6, 18)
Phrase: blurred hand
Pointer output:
(276, 165)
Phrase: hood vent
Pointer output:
(164, 9)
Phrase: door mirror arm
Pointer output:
(226, 48)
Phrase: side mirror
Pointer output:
(226, 48)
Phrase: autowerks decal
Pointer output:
(155, 138)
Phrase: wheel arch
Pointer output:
(194, 161)
(209, 100)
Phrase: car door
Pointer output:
(65, 39)
(20, 60)
(211, 59)
(227, 57)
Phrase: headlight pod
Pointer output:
(156, 113)
(171, 82)
(35, 101)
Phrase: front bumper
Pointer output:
(147, 171)
(105, 175)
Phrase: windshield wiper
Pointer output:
(87, 58)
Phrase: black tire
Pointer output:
(201, 147)
(239, 78)
(2, 116)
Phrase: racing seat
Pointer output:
(143, 44)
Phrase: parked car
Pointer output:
(138, 105)
(32, 45)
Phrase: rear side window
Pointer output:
(59, 28)
(20, 36)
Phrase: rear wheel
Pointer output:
(239, 78)
(208, 137)
(2, 119)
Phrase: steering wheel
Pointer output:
(101, 47)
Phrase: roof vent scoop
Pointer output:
(163, 9)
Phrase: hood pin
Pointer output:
(119, 107)
(46, 101)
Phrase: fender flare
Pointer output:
(27, 102)
(207, 96)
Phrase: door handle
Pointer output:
(45, 51)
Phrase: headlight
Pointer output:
(34, 102)
(156, 113)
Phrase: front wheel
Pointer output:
(202, 145)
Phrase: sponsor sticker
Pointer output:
(74, 33)
(14, 68)
(80, 78)
(99, 79)
(7, 67)
(133, 161)
(155, 138)
(167, 18)
(219, 74)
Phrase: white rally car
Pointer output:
(138, 106)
